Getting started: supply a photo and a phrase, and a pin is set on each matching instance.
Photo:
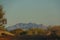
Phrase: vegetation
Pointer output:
(4, 34)
(51, 31)
(38, 31)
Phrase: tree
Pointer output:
(3, 20)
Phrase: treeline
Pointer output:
(51, 30)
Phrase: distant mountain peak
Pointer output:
(26, 26)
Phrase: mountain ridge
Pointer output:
(26, 26)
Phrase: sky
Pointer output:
(34, 11)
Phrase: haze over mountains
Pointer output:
(26, 26)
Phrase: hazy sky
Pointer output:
(35, 11)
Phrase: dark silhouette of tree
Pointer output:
(3, 20)
(23, 33)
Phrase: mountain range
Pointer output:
(26, 26)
